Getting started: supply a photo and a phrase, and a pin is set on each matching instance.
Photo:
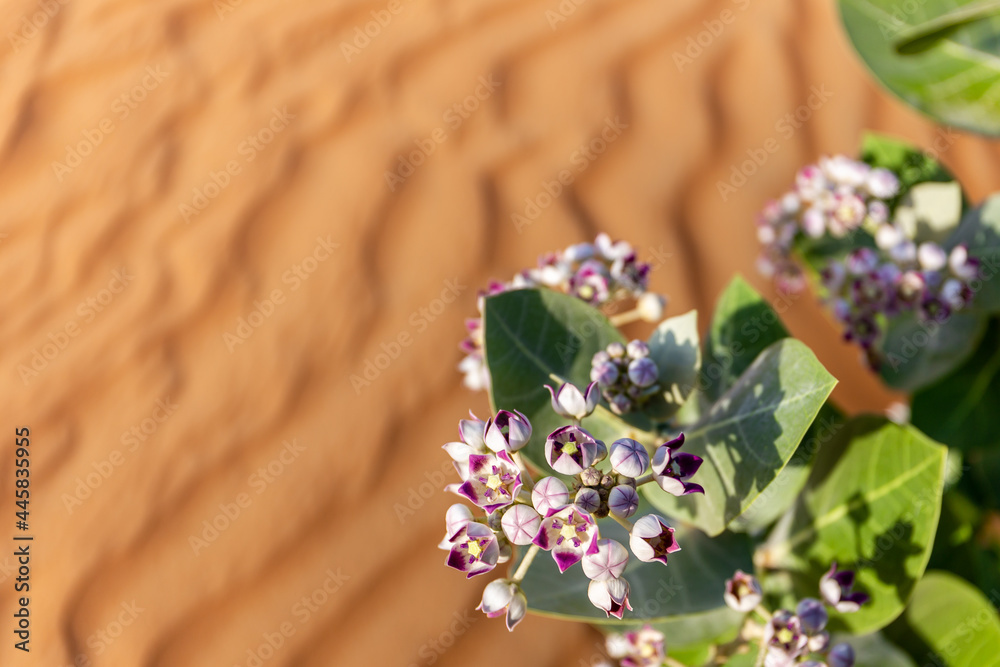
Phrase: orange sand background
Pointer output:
(173, 89)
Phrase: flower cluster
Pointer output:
(626, 375)
(552, 516)
(832, 198)
(798, 638)
(868, 285)
(602, 273)
(642, 648)
(835, 198)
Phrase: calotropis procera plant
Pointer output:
(892, 254)
(620, 454)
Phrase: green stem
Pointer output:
(526, 480)
(522, 569)
(625, 523)
(645, 479)
(924, 36)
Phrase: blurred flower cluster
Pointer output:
(888, 272)
(626, 375)
(551, 514)
(603, 274)
(800, 638)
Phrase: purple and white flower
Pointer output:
(508, 431)
(610, 596)
(836, 589)
(493, 482)
(475, 550)
(570, 402)
(652, 539)
(550, 493)
(569, 534)
(571, 449)
(608, 563)
(812, 615)
(743, 592)
(841, 655)
(641, 648)
(456, 518)
(672, 469)
(786, 641)
(504, 598)
(629, 457)
(471, 434)
(520, 524)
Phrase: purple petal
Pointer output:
(687, 464)
(566, 558)
(691, 487)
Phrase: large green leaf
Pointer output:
(743, 326)
(749, 435)
(874, 650)
(689, 589)
(533, 336)
(917, 353)
(980, 231)
(872, 504)
(961, 409)
(954, 621)
(910, 164)
(675, 348)
(933, 56)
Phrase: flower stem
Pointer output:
(627, 317)
(625, 523)
(760, 653)
(645, 479)
(522, 569)
(670, 662)
(526, 480)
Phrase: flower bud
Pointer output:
(604, 373)
(623, 501)
(616, 350)
(813, 615)
(835, 588)
(931, 256)
(587, 500)
(504, 597)
(637, 349)
(629, 457)
(841, 655)
(549, 494)
(643, 372)
(520, 524)
(608, 563)
(651, 307)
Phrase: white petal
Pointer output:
(497, 595)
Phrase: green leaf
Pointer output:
(689, 588)
(960, 410)
(980, 231)
(874, 650)
(872, 505)
(534, 336)
(743, 326)
(749, 435)
(948, 67)
(954, 621)
(918, 353)
(675, 348)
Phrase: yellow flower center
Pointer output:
(474, 549)
(568, 531)
(493, 482)
(570, 448)
(785, 635)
